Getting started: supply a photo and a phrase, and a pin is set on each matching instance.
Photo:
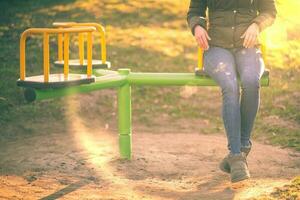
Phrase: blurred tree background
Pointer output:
(150, 35)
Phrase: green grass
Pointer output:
(148, 36)
(290, 192)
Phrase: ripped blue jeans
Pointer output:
(226, 66)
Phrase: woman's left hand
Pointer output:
(250, 36)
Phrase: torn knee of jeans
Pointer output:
(243, 52)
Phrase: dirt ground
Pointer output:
(168, 163)
(85, 165)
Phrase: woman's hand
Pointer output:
(201, 37)
(250, 36)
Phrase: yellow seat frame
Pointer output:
(46, 79)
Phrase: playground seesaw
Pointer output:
(50, 86)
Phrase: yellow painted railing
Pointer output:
(200, 58)
(99, 28)
(81, 47)
(46, 32)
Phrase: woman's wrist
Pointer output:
(257, 26)
(198, 27)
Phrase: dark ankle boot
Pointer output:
(224, 166)
(238, 167)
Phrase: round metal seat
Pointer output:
(55, 81)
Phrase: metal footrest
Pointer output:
(55, 81)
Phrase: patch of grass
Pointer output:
(288, 192)
(284, 137)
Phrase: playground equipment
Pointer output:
(82, 62)
(47, 80)
(122, 80)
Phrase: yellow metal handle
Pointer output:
(81, 47)
(59, 30)
(46, 58)
(60, 47)
(200, 58)
(99, 28)
(89, 54)
(66, 54)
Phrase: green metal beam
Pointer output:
(113, 79)
(176, 79)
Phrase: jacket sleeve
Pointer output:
(267, 14)
(197, 14)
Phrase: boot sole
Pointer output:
(240, 179)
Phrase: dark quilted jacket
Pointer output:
(229, 19)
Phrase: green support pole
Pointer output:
(124, 120)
